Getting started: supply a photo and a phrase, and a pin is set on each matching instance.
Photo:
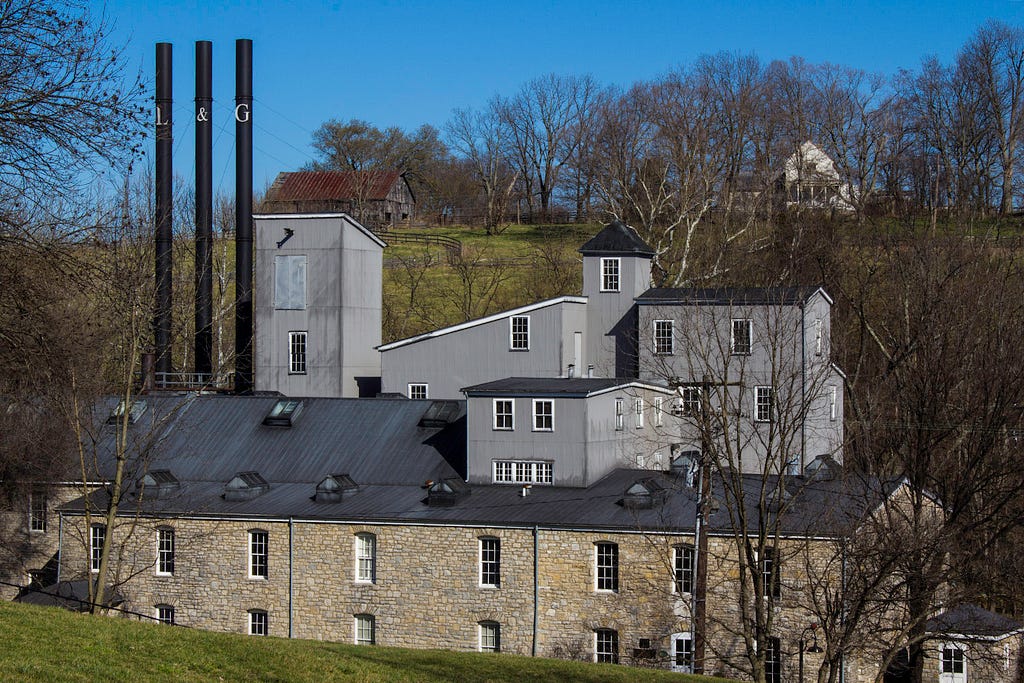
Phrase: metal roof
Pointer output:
(730, 296)
(332, 185)
(555, 386)
(971, 620)
(616, 238)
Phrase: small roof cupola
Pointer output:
(617, 239)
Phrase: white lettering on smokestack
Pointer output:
(242, 113)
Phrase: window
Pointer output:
(763, 400)
(610, 274)
(490, 636)
(659, 404)
(682, 653)
(258, 552)
(683, 568)
(741, 336)
(504, 414)
(97, 536)
(365, 629)
(664, 340)
(296, 353)
(543, 415)
(819, 337)
(490, 562)
(366, 558)
(259, 623)
(607, 565)
(688, 403)
(165, 551)
(773, 661)
(639, 410)
(164, 614)
(606, 646)
(620, 407)
(770, 571)
(419, 391)
(952, 660)
(519, 333)
(37, 509)
(832, 407)
(522, 472)
(289, 282)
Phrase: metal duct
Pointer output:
(243, 216)
(204, 210)
(164, 198)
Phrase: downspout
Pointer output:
(291, 575)
(803, 386)
(536, 587)
(60, 542)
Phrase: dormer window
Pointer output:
(284, 413)
(643, 494)
(157, 484)
(331, 488)
(134, 413)
(446, 492)
(245, 486)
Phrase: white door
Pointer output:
(952, 664)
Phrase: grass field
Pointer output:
(48, 644)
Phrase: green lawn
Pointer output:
(48, 644)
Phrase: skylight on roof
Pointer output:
(284, 413)
(136, 411)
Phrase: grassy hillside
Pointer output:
(46, 644)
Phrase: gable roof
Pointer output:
(333, 185)
(730, 296)
(972, 621)
(616, 238)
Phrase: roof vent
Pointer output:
(284, 413)
(134, 413)
(440, 414)
(245, 486)
(332, 487)
(157, 484)
(447, 492)
(643, 494)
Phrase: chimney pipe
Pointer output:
(164, 231)
(148, 372)
(590, 371)
(243, 216)
(572, 371)
(204, 210)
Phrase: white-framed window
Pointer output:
(259, 553)
(297, 353)
(952, 663)
(638, 410)
(164, 613)
(688, 403)
(683, 569)
(543, 415)
(833, 408)
(366, 558)
(610, 274)
(742, 336)
(490, 636)
(259, 622)
(419, 391)
(490, 562)
(290, 282)
(37, 509)
(773, 661)
(97, 536)
(819, 337)
(165, 551)
(606, 646)
(659, 411)
(606, 566)
(771, 571)
(365, 629)
(682, 653)
(764, 400)
(522, 472)
(664, 338)
(504, 414)
(519, 333)
(620, 408)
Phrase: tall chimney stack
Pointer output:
(204, 210)
(243, 216)
(164, 198)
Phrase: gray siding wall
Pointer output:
(342, 314)
(611, 346)
(481, 353)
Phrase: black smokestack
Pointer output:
(243, 216)
(204, 208)
(164, 237)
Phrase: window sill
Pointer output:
(297, 373)
(258, 578)
(502, 429)
(519, 350)
(164, 575)
(488, 587)
(549, 429)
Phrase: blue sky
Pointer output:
(406, 63)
